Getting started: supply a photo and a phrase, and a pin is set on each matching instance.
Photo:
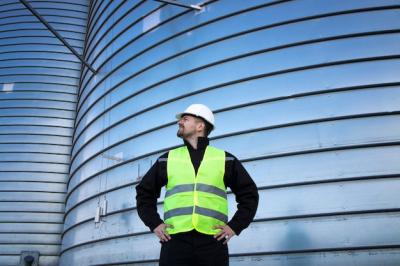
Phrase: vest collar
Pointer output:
(202, 143)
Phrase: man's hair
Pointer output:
(208, 129)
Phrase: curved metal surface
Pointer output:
(306, 94)
(38, 93)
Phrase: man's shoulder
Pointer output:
(228, 156)
(163, 157)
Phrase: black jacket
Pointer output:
(236, 178)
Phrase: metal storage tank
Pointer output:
(39, 81)
(306, 94)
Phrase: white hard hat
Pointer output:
(199, 110)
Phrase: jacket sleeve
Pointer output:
(147, 193)
(246, 195)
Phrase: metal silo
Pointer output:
(38, 91)
(306, 94)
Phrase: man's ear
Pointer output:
(201, 126)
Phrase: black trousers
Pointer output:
(193, 249)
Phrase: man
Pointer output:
(195, 230)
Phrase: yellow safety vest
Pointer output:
(195, 201)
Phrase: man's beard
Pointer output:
(182, 134)
(179, 133)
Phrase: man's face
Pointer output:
(188, 126)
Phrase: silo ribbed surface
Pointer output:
(39, 80)
(306, 94)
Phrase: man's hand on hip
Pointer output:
(161, 232)
(226, 233)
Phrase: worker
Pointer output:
(195, 229)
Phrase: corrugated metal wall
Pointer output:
(306, 94)
(38, 92)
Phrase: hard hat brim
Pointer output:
(179, 115)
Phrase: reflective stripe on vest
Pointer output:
(195, 201)
(199, 187)
(199, 210)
